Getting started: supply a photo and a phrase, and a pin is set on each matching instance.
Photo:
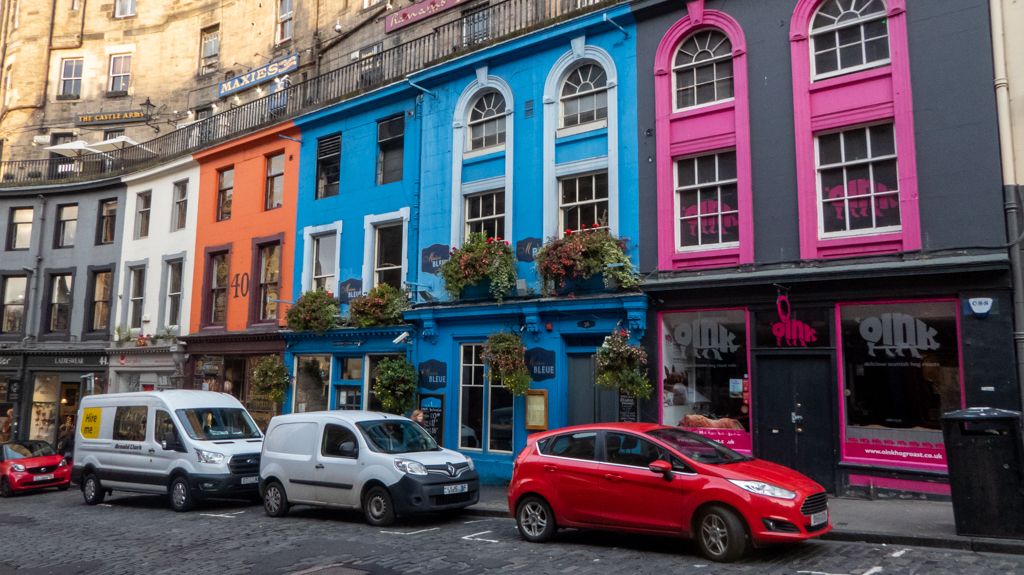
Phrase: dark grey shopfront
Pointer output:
(50, 391)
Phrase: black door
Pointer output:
(587, 402)
(794, 414)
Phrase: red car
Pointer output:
(28, 465)
(648, 478)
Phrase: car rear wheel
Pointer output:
(275, 503)
(181, 495)
(5, 488)
(92, 491)
(535, 520)
(720, 535)
(378, 507)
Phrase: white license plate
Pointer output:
(819, 518)
(43, 477)
(249, 480)
(450, 489)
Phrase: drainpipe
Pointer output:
(31, 325)
(1010, 185)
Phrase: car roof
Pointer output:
(173, 398)
(631, 427)
(352, 416)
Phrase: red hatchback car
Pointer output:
(648, 478)
(28, 465)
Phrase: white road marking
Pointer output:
(478, 521)
(819, 573)
(474, 537)
(105, 505)
(224, 515)
(873, 570)
(900, 553)
(410, 532)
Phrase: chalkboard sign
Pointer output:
(628, 409)
(13, 391)
(432, 406)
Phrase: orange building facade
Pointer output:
(244, 243)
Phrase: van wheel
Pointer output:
(5, 488)
(378, 507)
(720, 535)
(181, 495)
(535, 520)
(92, 491)
(275, 502)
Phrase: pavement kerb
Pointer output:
(979, 545)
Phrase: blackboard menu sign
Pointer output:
(432, 406)
(628, 409)
(13, 391)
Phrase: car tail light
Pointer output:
(522, 455)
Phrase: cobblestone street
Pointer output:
(57, 533)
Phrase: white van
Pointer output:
(189, 444)
(384, 464)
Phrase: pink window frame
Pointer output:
(842, 386)
(702, 130)
(850, 100)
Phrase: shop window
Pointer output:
(113, 134)
(6, 410)
(584, 202)
(67, 224)
(130, 423)
(485, 214)
(45, 397)
(60, 303)
(372, 403)
(284, 20)
(849, 36)
(225, 188)
(707, 201)
(209, 49)
(705, 384)
(120, 72)
(334, 437)
(584, 96)
(218, 271)
(102, 282)
(487, 122)
(858, 186)
(107, 222)
(581, 445)
(123, 8)
(174, 269)
(324, 254)
(702, 70)
(274, 196)
(136, 298)
(13, 314)
(71, 77)
(19, 235)
(900, 373)
(143, 203)
(387, 264)
(312, 383)
(180, 215)
(270, 280)
(390, 143)
(473, 384)
(328, 166)
(348, 394)
(500, 417)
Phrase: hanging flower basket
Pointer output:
(395, 385)
(383, 306)
(623, 366)
(480, 260)
(568, 263)
(316, 311)
(271, 376)
(505, 357)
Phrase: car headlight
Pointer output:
(469, 460)
(209, 456)
(63, 463)
(17, 467)
(762, 488)
(410, 467)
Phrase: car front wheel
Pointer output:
(379, 508)
(535, 520)
(720, 535)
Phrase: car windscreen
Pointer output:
(393, 436)
(217, 423)
(697, 447)
(24, 449)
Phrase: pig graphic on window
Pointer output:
(709, 225)
(860, 206)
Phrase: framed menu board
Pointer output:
(537, 410)
(432, 406)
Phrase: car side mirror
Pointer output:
(662, 467)
(170, 442)
(348, 449)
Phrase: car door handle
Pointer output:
(319, 465)
(152, 451)
(613, 478)
(550, 468)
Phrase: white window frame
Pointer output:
(170, 294)
(582, 126)
(499, 117)
(692, 65)
(136, 300)
(370, 223)
(822, 234)
(208, 35)
(859, 21)
(282, 19)
(118, 7)
(561, 206)
(310, 232)
(63, 78)
(111, 76)
(484, 424)
(143, 213)
(180, 204)
(677, 204)
(469, 221)
(262, 249)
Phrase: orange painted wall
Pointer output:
(248, 220)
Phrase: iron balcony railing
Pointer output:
(473, 31)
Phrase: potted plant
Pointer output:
(505, 357)
(489, 262)
(122, 335)
(383, 306)
(315, 311)
(271, 376)
(395, 385)
(565, 263)
(623, 366)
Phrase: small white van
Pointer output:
(384, 464)
(189, 444)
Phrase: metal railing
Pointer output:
(471, 32)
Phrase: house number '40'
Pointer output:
(241, 284)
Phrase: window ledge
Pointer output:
(706, 258)
(581, 128)
(483, 155)
(117, 94)
(12, 336)
(709, 108)
(61, 336)
(68, 97)
(589, 134)
(96, 336)
(883, 69)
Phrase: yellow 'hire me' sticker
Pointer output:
(91, 422)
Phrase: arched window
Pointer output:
(849, 35)
(487, 121)
(584, 96)
(703, 69)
